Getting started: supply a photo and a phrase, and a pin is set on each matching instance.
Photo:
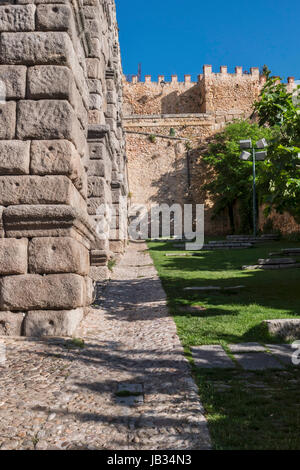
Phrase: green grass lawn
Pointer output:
(251, 410)
(228, 317)
(245, 410)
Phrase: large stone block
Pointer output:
(17, 18)
(35, 292)
(100, 273)
(98, 257)
(50, 81)
(57, 255)
(96, 117)
(95, 86)
(43, 48)
(93, 68)
(11, 323)
(57, 157)
(97, 151)
(48, 221)
(14, 78)
(14, 157)
(111, 97)
(52, 322)
(96, 101)
(7, 120)
(54, 18)
(49, 119)
(2, 233)
(56, 82)
(287, 329)
(117, 246)
(94, 204)
(100, 168)
(35, 48)
(15, 190)
(90, 290)
(111, 112)
(97, 187)
(13, 256)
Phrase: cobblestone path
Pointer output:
(56, 397)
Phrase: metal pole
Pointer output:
(254, 194)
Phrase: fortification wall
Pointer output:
(61, 148)
(161, 97)
(166, 169)
(157, 163)
(221, 92)
(174, 112)
(169, 170)
(230, 93)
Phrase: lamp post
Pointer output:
(257, 155)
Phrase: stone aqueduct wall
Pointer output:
(164, 171)
(62, 155)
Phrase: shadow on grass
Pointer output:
(244, 408)
(231, 316)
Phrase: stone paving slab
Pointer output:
(282, 352)
(213, 288)
(207, 288)
(211, 356)
(271, 261)
(257, 361)
(177, 254)
(246, 347)
(53, 397)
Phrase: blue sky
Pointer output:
(179, 36)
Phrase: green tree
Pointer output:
(265, 71)
(280, 178)
(232, 181)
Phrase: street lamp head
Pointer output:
(261, 156)
(262, 144)
(245, 156)
(246, 144)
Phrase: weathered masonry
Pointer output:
(62, 160)
(168, 124)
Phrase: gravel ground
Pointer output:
(57, 397)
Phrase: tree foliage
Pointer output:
(233, 178)
(280, 175)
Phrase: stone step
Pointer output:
(271, 261)
(291, 250)
(213, 288)
(285, 328)
(177, 254)
(257, 240)
(271, 266)
(224, 246)
(248, 237)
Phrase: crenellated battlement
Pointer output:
(253, 74)
(207, 71)
(161, 79)
(214, 91)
